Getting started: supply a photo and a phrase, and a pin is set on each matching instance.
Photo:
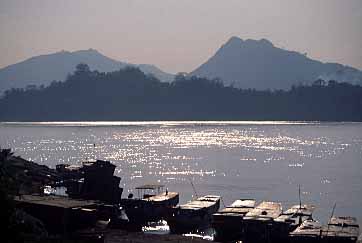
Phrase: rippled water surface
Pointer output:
(261, 160)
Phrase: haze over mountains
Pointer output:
(259, 64)
(242, 63)
(46, 68)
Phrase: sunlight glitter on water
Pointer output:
(263, 160)
(157, 123)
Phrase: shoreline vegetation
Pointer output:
(130, 95)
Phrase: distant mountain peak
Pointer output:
(236, 42)
(43, 69)
(258, 43)
(266, 42)
(90, 50)
(259, 64)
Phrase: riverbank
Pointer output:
(116, 236)
(30, 214)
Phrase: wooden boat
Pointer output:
(309, 231)
(341, 230)
(152, 204)
(83, 181)
(289, 220)
(60, 215)
(258, 222)
(228, 222)
(163, 198)
(194, 215)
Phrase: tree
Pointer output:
(82, 68)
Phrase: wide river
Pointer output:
(261, 160)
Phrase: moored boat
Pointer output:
(289, 220)
(228, 222)
(193, 215)
(341, 230)
(258, 222)
(152, 204)
(309, 231)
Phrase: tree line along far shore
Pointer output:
(129, 94)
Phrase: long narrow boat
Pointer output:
(163, 198)
(193, 215)
(341, 230)
(152, 204)
(228, 222)
(289, 220)
(258, 222)
(309, 231)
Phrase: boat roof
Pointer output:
(162, 197)
(308, 227)
(343, 221)
(342, 227)
(150, 187)
(201, 202)
(239, 208)
(54, 201)
(265, 210)
(243, 203)
(209, 198)
(73, 167)
(304, 211)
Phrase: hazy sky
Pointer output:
(179, 35)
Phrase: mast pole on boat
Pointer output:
(334, 207)
(193, 187)
(300, 207)
(300, 199)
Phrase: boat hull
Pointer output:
(227, 228)
(140, 211)
(193, 216)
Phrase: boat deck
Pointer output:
(201, 202)
(54, 201)
(162, 197)
(265, 211)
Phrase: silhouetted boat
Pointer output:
(289, 220)
(258, 222)
(309, 231)
(228, 222)
(163, 198)
(152, 204)
(194, 215)
(83, 181)
(341, 230)
(60, 215)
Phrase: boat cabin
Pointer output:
(259, 222)
(150, 190)
(228, 222)
(296, 215)
(308, 232)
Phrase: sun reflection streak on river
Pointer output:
(262, 160)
